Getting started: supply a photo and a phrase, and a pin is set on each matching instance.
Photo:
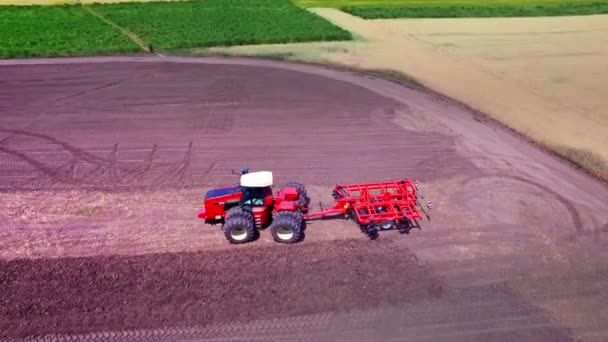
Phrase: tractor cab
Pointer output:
(256, 188)
(254, 193)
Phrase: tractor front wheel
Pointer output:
(286, 229)
(239, 212)
(295, 215)
(238, 229)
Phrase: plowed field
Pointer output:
(104, 163)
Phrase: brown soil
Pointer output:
(133, 125)
(542, 76)
(104, 162)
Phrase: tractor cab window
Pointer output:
(253, 196)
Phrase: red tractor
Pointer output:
(244, 209)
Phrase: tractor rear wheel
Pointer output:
(286, 229)
(304, 199)
(238, 229)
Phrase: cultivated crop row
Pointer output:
(57, 31)
(172, 25)
(75, 30)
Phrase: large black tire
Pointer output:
(285, 229)
(295, 215)
(301, 188)
(239, 230)
(304, 199)
(240, 212)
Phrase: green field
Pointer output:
(183, 25)
(71, 30)
(372, 9)
(57, 31)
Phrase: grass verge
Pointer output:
(393, 75)
(588, 160)
(57, 31)
(183, 25)
(480, 11)
(370, 9)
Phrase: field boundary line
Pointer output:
(123, 30)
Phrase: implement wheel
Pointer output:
(286, 229)
(386, 225)
(239, 230)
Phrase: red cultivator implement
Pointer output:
(244, 209)
(378, 206)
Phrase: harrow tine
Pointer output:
(429, 204)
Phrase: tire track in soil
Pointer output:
(144, 173)
(575, 216)
(181, 171)
(82, 154)
(107, 172)
(37, 164)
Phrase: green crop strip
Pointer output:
(57, 31)
(32, 31)
(183, 25)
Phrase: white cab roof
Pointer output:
(258, 179)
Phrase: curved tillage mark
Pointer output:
(7, 139)
(184, 169)
(87, 91)
(106, 171)
(41, 167)
(570, 208)
(69, 173)
(112, 172)
(180, 172)
(86, 156)
(138, 174)
(599, 232)
(145, 172)
(576, 218)
(208, 173)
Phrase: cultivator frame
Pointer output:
(378, 206)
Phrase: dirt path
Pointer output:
(515, 248)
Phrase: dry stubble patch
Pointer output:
(589, 160)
